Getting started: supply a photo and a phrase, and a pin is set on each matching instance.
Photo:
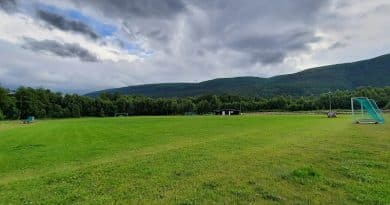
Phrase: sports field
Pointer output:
(258, 159)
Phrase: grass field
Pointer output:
(259, 159)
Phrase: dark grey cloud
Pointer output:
(270, 49)
(8, 5)
(65, 24)
(277, 8)
(60, 49)
(382, 8)
(158, 34)
(265, 31)
(135, 8)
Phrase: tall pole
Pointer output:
(352, 109)
(330, 101)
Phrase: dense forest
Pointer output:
(43, 103)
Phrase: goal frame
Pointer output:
(121, 114)
(360, 114)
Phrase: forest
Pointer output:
(43, 103)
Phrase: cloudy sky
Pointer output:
(81, 46)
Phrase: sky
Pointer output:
(80, 46)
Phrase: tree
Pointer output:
(215, 102)
(387, 107)
(203, 107)
(121, 104)
(2, 117)
(28, 102)
(185, 105)
(72, 104)
(44, 103)
(8, 104)
(104, 107)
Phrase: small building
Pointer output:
(227, 112)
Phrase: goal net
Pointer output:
(365, 110)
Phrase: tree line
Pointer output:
(43, 103)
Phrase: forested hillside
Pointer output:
(373, 72)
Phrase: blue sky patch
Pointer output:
(102, 29)
(134, 48)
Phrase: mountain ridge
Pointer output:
(312, 81)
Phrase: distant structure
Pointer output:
(331, 114)
(227, 112)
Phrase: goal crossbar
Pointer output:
(121, 114)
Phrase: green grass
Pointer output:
(259, 159)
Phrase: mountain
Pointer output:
(372, 72)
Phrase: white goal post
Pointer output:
(121, 114)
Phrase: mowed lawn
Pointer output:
(254, 159)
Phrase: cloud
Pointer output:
(271, 49)
(8, 5)
(60, 49)
(135, 8)
(64, 24)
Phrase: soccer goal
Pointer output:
(365, 110)
(121, 114)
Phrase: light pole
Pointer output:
(330, 101)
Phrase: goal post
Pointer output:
(122, 114)
(365, 110)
